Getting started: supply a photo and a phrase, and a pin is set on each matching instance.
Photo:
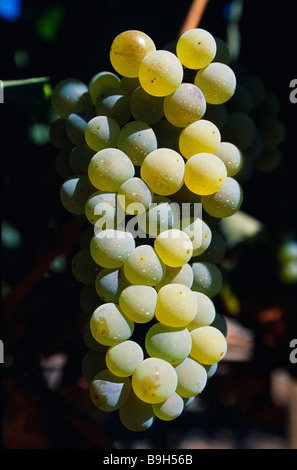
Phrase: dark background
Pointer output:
(41, 314)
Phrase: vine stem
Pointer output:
(194, 16)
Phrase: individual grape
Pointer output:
(109, 284)
(217, 82)
(70, 95)
(192, 378)
(109, 169)
(210, 369)
(220, 323)
(209, 345)
(163, 171)
(240, 129)
(135, 195)
(231, 156)
(138, 302)
(129, 84)
(127, 51)
(136, 415)
(174, 247)
(76, 124)
(208, 278)
(58, 135)
(161, 215)
(145, 107)
(123, 358)
(137, 139)
(216, 251)
(154, 380)
(102, 132)
(110, 248)
(270, 106)
(109, 325)
(196, 48)
(180, 275)
(84, 268)
(79, 158)
(160, 73)
(114, 103)
(205, 174)
(169, 343)
(101, 81)
(90, 341)
(92, 363)
(109, 392)
(144, 267)
(170, 409)
(223, 53)
(272, 131)
(206, 312)
(199, 233)
(199, 137)
(101, 210)
(185, 106)
(75, 192)
(176, 305)
(226, 201)
(167, 134)
(89, 299)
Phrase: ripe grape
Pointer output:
(176, 305)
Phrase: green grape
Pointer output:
(129, 84)
(101, 210)
(180, 275)
(223, 53)
(75, 192)
(205, 174)
(160, 73)
(110, 248)
(135, 195)
(76, 124)
(199, 137)
(84, 268)
(206, 312)
(79, 158)
(58, 134)
(89, 299)
(109, 325)
(101, 81)
(231, 156)
(217, 114)
(114, 103)
(167, 134)
(109, 284)
(146, 107)
(127, 51)
(144, 267)
(270, 106)
(185, 106)
(239, 129)
(169, 343)
(109, 169)
(70, 95)
(217, 82)
(226, 201)
(216, 251)
(123, 358)
(174, 247)
(208, 278)
(192, 378)
(209, 345)
(137, 139)
(170, 409)
(154, 380)
(272, 131)
(102, 132)
(161, 215)
(90, 341)
(176, 305)
(136, 415)
(199, 233)
(109, 392)
(92, 363)
(138, 302)
(211, 369)
(220, 323)
(163, 171)
(196, 48)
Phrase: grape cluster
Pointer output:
(145, 165)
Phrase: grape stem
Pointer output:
(194, 16)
